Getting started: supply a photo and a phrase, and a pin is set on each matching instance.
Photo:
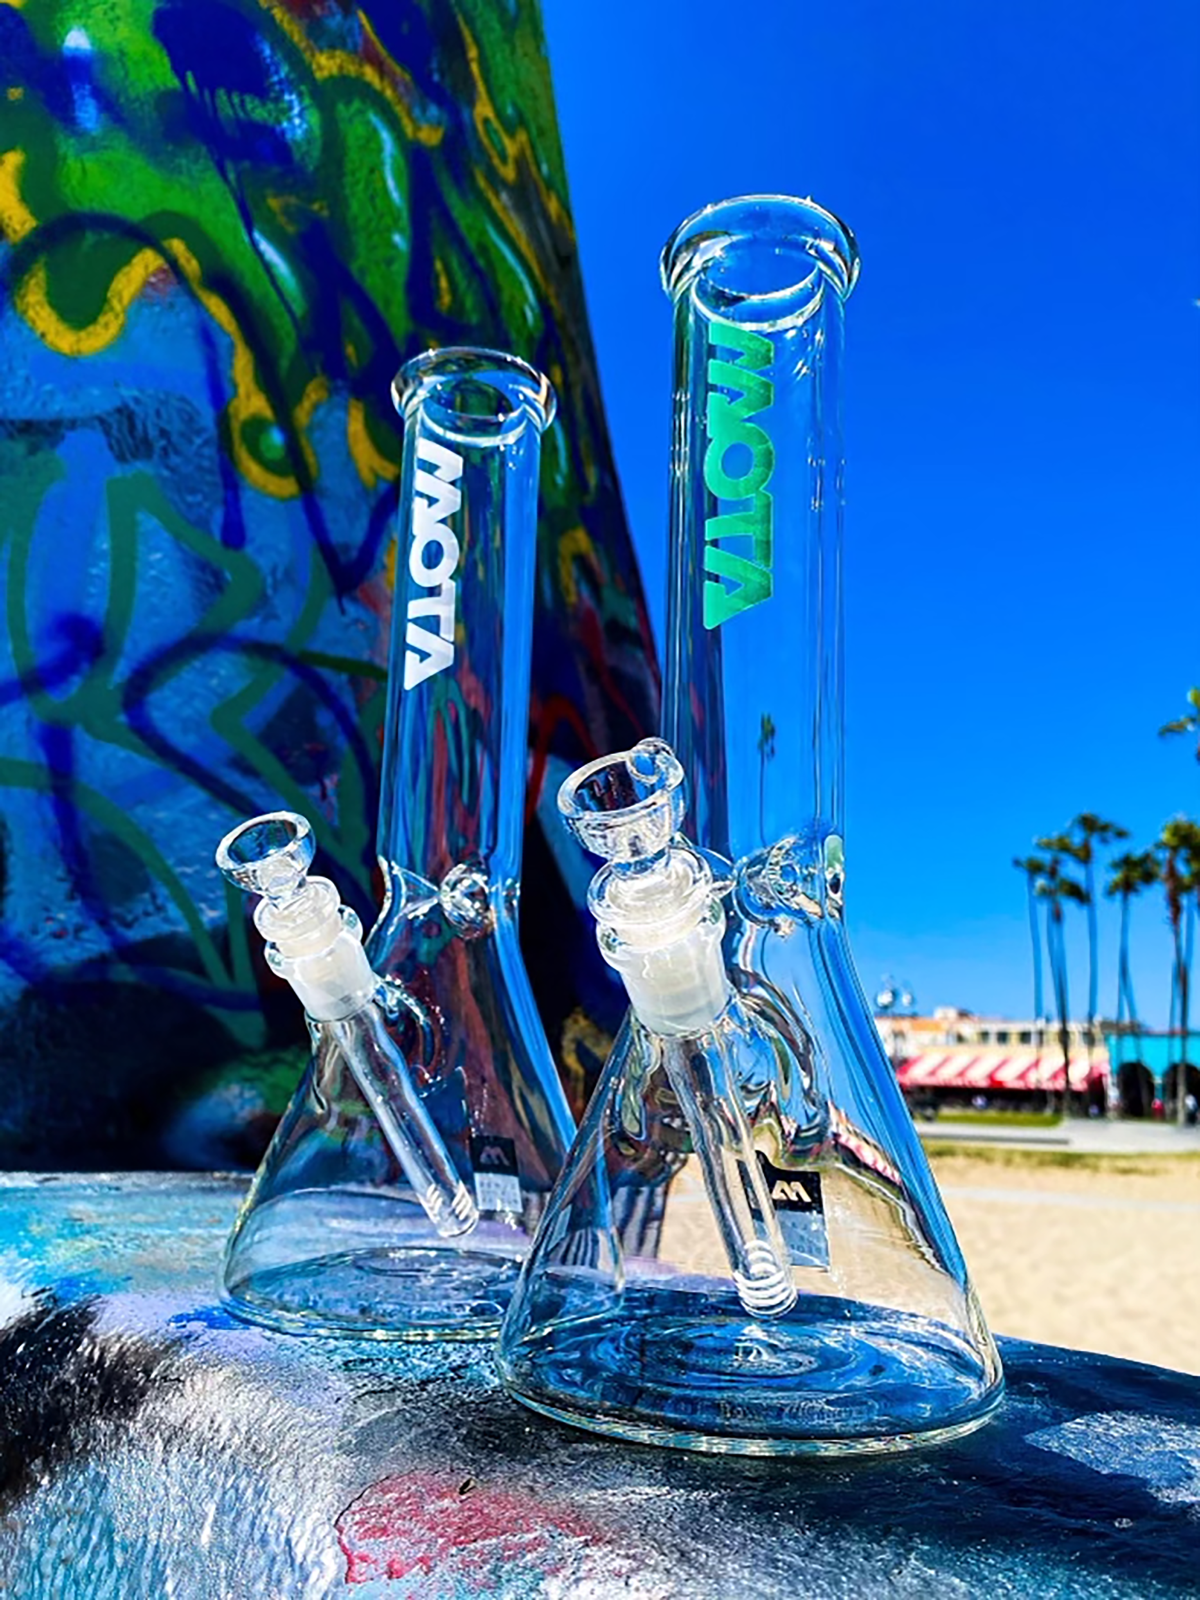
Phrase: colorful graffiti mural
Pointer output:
(223, 224)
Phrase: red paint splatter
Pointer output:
(424, 1522)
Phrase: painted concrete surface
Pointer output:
(149, 1445)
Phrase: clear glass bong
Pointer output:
(746, 1250)
(406, 1179)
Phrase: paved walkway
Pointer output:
(1090, 1135)
(1051, 1197)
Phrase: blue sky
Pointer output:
(1022, 409)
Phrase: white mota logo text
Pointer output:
(432, 559)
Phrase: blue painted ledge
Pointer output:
(149, 1445)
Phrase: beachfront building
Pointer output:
(955, 1057)
(1145, 1069)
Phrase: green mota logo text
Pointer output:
(739, 577)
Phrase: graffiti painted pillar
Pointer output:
(223, 224)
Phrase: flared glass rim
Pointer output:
(515, 384)
(767, 219)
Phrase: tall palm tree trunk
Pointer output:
(1057, 950)
(1179, 1010)
(1185, 984)
(1093, 960)
(1035, 937)
(1130, 874)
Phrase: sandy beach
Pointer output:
(1092, 1252)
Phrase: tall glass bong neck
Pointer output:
(452, 792)
(754, 666)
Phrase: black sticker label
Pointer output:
(792, 1191)
(490, 1153)
(800, 1213)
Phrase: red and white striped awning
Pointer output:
(965, 1068)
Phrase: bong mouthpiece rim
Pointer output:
(761, 259)
(475, 392)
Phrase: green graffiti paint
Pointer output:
(738, 578)
(215, 257)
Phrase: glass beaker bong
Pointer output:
(746, 1250)
(406, 1179)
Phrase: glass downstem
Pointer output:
(702, 1083)
(386, 1083)
(660, 925)
(316, 945)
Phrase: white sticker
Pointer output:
(496, 1191)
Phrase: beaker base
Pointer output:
(833, 1377)
(382, 1292)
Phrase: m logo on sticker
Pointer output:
(791, 1191)
(432, 559)
(491, 1155)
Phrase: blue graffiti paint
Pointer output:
(82, 647)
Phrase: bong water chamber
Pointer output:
(746, 1250)
(406, 1179)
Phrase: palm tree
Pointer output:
(1129, 874)
(1033, 867)
(1090, 831)
(1079, 842)
(1179, 843)
(766, 752)
(1054, 887)
(1186, 724)
(1059, 845)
